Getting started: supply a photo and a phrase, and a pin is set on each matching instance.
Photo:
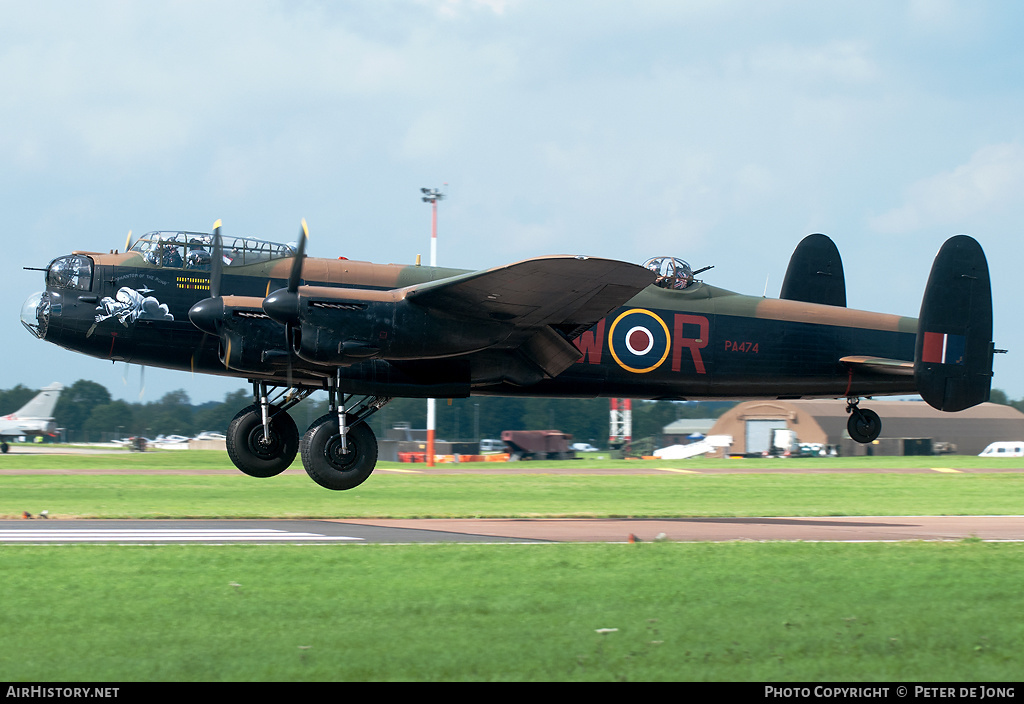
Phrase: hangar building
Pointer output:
(679, 432)
(908, 427)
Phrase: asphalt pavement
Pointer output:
(503, 530)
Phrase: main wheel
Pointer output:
(324, 461)
(864, 425)
(256, 454)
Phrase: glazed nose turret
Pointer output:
(35, 313)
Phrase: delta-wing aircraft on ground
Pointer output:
(558, 326)
(34, 418)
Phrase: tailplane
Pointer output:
(42, 405)
(953, 356)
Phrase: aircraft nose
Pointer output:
(35, 313)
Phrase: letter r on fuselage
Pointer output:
(694, 344)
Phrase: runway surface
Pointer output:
(579, 530)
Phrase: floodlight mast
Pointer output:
(432, 195)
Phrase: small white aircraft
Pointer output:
(34, 418)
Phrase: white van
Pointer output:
(1003, 449)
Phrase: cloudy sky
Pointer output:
(718, 131)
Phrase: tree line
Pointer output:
(86, 412)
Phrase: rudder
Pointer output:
(953, 354)
(42, 404)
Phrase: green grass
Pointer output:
(778, 612)
(293, 495)
(148, 491)
(215, 459)
(759, 612)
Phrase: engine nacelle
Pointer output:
(249, 339)
(346, 326)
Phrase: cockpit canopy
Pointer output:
(672, 272)
(192, 250)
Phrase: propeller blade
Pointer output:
(283, 305)
(296, 273)
(216, 261)
(128, 241)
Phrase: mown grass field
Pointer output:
(763, 612)
(215, 459)
(147, 491)
(210, 487)
(773, 612)
(467, 496)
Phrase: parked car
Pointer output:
(1003, 449)
(583, 447)
(811, 449)
(492, 446)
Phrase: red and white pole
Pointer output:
(432, 195)
(432, 402)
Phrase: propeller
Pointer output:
(128, 241)
(215, 315)
(208, 314)
(283, 305)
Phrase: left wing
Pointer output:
(563, 291)
(548, 300)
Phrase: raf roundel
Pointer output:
(639, 341)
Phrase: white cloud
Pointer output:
(992, 180)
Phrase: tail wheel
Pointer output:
(324, 461)
(256, 453)
(864, 425)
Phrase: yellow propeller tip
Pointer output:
(305, 228)
(216, 224)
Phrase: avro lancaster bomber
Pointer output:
(555, 326)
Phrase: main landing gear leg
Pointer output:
(864, 425)
(339, 451)
(262, 439)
